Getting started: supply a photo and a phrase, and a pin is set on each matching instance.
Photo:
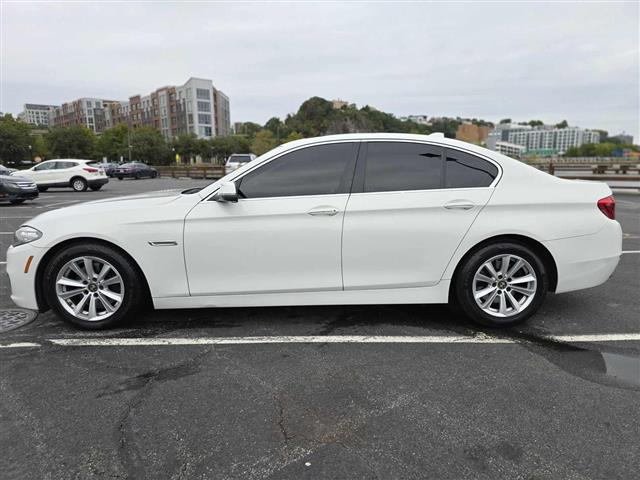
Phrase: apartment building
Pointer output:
(510, 149)
(36, 114)
(544, 137)
(469, 132)
(421, 119)
(88, 112)
(196, 107)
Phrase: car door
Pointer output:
(282, 235)
(410, 207)
(41, 174)
(63, 172)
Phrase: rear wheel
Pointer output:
(119, 178)
(502, 284)
(17, 201)
(92, 286)
(79, 184)
(43, 189)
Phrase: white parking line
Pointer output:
(21, 345)
(297, 339)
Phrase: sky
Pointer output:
(522, 60)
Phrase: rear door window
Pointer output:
(401, 166)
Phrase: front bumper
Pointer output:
(10, 193)
(23, 284)
(588, 260)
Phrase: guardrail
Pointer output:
(192, 171)
(599, 172)
(596, 168)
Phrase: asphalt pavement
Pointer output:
(346, 392)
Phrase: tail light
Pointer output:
(607, 205)
(90, 170)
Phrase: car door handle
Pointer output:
(459, 205)
(323, 211)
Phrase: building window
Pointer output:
(204, 118)
(203, 94)
(204, 106)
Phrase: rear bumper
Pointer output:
(98, 181)
(588, 260)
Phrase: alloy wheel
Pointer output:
(90, 288)
(504, 285)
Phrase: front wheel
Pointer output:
(79, 184)
(502, 284)
(92, 286)
(17, 201)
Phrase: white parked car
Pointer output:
(346, 219)
(237, 160)
(66, 172)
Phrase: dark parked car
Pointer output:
(7, 171)
(135, 170)
(110, 168)
(17, 189)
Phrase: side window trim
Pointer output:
(346, 182)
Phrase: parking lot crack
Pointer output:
(130, 456)
(281, 423)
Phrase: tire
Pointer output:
(43, 189)
(79, 184)
(136, 177)
(17, 201)
(95, 188)
(474, 278)
(131, 284)
(154, 174)
(119, 178)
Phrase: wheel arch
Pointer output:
(76, 177)
(544, 254)
(43, 306)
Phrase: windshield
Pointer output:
(239, 159)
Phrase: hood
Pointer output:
(129, 209)
(159, 197)
(14, 178)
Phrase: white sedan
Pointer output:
(66, 172)
(346, 219)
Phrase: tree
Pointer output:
(222, 147)
(186, 145)
(71, 142)
(40, 148)
(293, 136)
(114, 143)
(248, 129)
(263, 142)
(562, 124)
(14, 140)
(536, 123)
(149, 146)
(505, 120)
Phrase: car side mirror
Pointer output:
(226, 193)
